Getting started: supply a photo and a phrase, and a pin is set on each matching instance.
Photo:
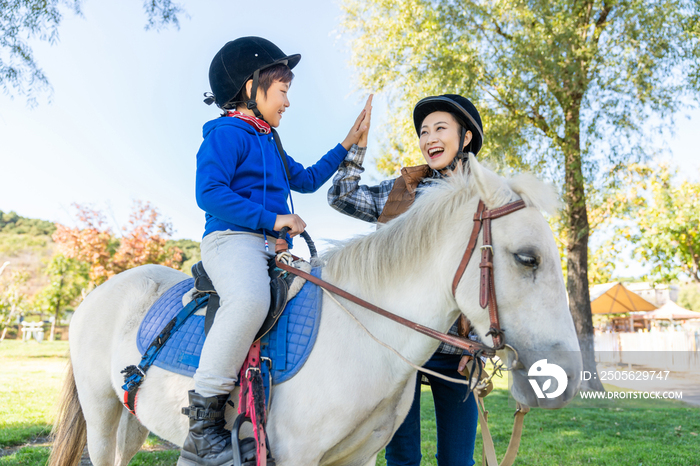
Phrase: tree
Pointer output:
(689, 297)
(68, 280)
(142, 242)
(12, 298)
(662, 222)
(21, 20)
(191, 254)
(12, 223)
(91, 242)
(564, 86)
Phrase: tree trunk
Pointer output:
(13, 309)
(577, 248)
(55, 319)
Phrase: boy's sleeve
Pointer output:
(348, 196)
(216, 166)
(308, 180)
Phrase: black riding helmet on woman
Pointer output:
(465, 114)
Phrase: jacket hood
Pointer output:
(209, 126)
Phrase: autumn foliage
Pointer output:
(142, 241)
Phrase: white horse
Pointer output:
(352, 394)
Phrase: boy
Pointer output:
(242, 184)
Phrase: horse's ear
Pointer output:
(491, 188)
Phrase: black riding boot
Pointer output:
(209, 442)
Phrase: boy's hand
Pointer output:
(293, 221)
(360, 127)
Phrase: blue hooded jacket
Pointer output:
(241, 183)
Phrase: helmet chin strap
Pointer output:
(252, 104)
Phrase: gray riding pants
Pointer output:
(237, 265)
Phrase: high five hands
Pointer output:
(360, 129)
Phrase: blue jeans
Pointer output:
(456, 420)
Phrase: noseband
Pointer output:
(487, 288)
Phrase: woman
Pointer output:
(448, 128)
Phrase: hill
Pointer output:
(26, 244)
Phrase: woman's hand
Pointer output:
(293, 221)
(359, 130)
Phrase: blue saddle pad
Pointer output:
(288, 344)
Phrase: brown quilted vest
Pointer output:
(403, 193)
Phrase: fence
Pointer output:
(676, 351)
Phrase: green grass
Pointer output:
(625, 433)
(629, 432)
(29, 456)
(32, 375)
(155, 458)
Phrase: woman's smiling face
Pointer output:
(439, 139)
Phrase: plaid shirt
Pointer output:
(357, 200)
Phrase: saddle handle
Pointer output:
(281, 243)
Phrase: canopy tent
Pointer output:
(671, 311)
(614, 298)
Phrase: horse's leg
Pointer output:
(130, 437)
(102, 424)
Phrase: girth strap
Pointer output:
(134, 375)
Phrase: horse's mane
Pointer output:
(404, 242)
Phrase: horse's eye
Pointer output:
(527, 260)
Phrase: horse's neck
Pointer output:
(416, 298)
(419, 290)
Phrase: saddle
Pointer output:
(283, 287)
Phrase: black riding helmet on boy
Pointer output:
(463, 111)
(237, 62)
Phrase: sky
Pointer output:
(125, 117)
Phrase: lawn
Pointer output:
(32, 375)
(629, 432)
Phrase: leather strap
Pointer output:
(252, 104)
(488, 294)
(489, 451)
(470, 247)
(504, 210)
(461, 343)
(487, 289)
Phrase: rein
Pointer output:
(459, 342)
(487, 295)
(487, 298)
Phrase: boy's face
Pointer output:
(274, 103)
(439, 139)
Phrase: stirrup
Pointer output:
(244, 449)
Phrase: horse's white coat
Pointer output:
(352, 394)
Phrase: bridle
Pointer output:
(487, 294)
(487, 286)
